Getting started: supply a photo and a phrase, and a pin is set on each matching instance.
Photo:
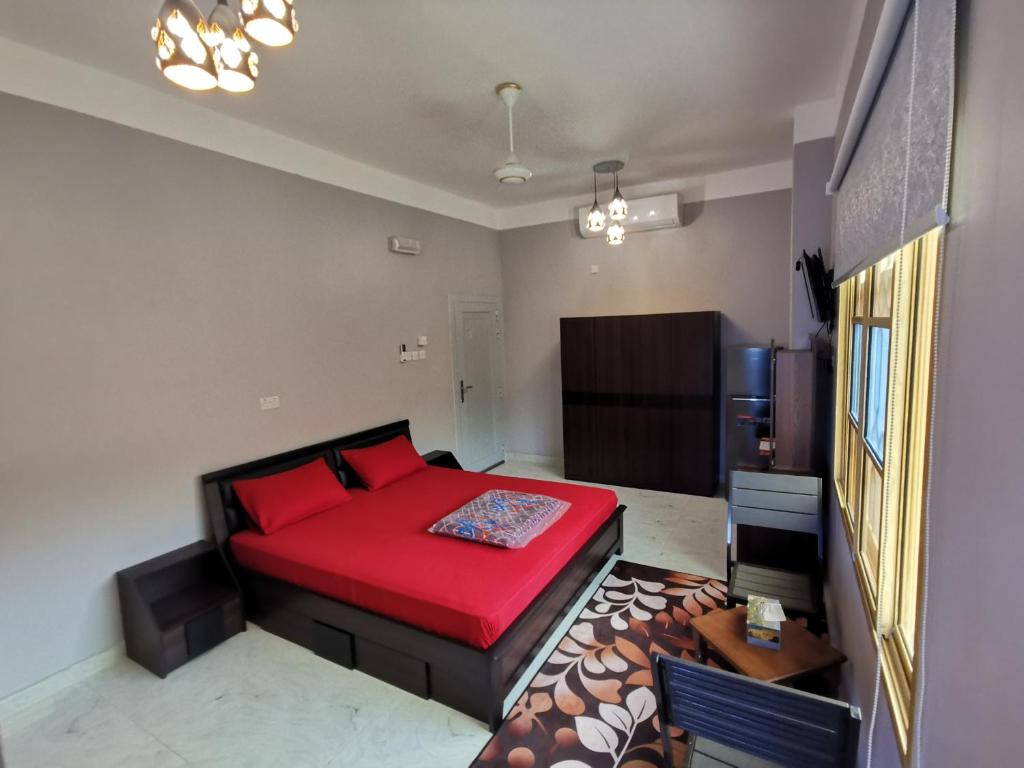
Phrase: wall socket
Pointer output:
(270, 402)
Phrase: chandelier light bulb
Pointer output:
(183, 55)
(271, 22)
(616, 234)
(618, 209)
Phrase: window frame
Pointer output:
(904, 466)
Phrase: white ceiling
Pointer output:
(678, 88)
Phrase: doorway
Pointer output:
(478, 380)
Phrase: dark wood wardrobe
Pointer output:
(640, 400)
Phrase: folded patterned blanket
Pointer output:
(508, 519)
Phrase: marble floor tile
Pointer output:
(258, 700)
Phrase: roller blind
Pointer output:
(891, 176)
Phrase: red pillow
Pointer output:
(383, 464)
(276, 501)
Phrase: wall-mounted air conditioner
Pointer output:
(645, 213)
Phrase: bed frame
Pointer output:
(466, 678)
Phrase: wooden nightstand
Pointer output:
(178, 605)
(444, 459)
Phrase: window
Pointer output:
(886, 330)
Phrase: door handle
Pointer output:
(463, 388)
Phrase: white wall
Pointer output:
(731, 255)
(812, 229)
(150, 293)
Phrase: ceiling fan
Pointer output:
(512, 172)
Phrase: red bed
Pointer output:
(374, 552)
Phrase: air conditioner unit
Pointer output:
(645, 213)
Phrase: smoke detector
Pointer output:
(512, 172)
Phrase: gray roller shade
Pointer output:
(891, 177)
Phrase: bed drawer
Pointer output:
(332, 644)
(392, 667)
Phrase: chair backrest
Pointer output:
(781, 500)
(779, 724)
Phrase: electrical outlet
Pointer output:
(423, 354)
(270, 402)
(594, 269)
(421, 341)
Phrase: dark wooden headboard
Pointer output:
(226, 514)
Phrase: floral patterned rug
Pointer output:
(592, 704)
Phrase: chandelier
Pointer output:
(618, 208)
(201, 53)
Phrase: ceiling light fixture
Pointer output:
(271, 22)
(237, 63)
(201, 54)
(182, 53)
(595, 219)
(617, 208)
(512, 172)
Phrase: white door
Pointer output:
(477, 354)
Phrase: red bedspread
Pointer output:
(374, 552)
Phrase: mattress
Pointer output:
(375, 552)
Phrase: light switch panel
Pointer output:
(270, 402)
(594, 269)
(421, 341)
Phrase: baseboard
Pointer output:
(535, 458)
(15, 707)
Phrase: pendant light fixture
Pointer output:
(618, 209)
(271, 22)
(595, 219)
(182, 53)
(237, 63)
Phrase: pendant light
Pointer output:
(616, 234)
(271, 22)
(595, 219)
(237, 63)
(182, 53)
(618, 208)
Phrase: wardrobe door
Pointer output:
(652, 371)
(695, 433)
(577, 339)
(610, 417)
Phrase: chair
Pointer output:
(786, 502)
(738, 722)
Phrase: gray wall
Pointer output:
(150, 293)
(974, 676)
(812, 219)
(731, 255)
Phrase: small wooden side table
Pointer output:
(801, 653)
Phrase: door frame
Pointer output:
(498, 390)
